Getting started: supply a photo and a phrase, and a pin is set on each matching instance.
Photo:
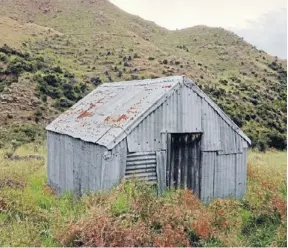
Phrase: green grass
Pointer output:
(32, 215)
(32, 212)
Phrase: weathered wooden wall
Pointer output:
(79, 166)
(223, 150)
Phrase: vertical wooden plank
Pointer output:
(241, 170)
(57, 162)
(161, 171)
(50, 152)
(183, 141)
(123, 158)
(164, 141)
(198, 163)
(225, 176)
(211, 128)
(69, 163)
(63, 185)
(173, 164)
(190, 166)
(191, 117)
(168, 166)
(179, 162)
(76, 166)
(207, 178)
(186, 161)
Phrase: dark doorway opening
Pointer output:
(184, 159)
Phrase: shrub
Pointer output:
(18, 65)
(273, 66)
(96, 81)
(223, 81)
(126, 64)
(277, 140)
(238, 120)
(57, 69)
(262, 145)
(83, 87)
(68, 75)
(52, 79)
(54, 93)
(63, 103)
(38, 115)
(43, 98)
(22, 134)
(38, 65)
(10, 51)
(3, 57)
(134, 77)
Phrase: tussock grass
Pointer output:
(133, 215)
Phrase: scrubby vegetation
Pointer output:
(54, 82)
(17, 135)
(63, 57)
(133, 215)
(54, 67)
(262, 117)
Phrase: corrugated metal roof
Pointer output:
(104, 114)
(113, 110)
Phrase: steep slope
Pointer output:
(99, 42)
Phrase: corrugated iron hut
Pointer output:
(165, 131)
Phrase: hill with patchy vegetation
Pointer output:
(57, 51)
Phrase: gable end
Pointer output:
(191, 85)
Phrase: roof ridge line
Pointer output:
(129, 128)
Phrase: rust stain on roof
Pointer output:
(101, 114)
(116, 119)
(86, 113)
(107, 119)
(123, 117)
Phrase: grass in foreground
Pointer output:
(132, 215)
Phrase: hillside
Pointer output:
(82, 43)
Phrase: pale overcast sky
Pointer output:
(263, 23)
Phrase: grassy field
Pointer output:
(132, 215)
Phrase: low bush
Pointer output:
(23, 134)
(132, 214)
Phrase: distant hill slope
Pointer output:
(97, 42)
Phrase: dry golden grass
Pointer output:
(132, 215)
(15, 33)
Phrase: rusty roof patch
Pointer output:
(106, 112)
(84, 114)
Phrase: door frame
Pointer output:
(168, 159)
